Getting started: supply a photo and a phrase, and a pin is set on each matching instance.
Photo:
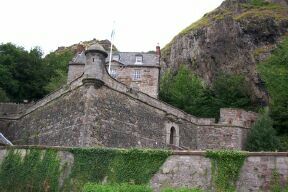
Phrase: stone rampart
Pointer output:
(191, 169)
(97, 110)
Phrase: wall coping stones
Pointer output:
(174, 152)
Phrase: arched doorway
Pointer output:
(172, 140)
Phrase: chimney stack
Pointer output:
(158, 52)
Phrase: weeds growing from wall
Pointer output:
(35, 171)
(226, 166)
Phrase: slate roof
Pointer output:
(4, 141)
(79, 58)
(129, 58)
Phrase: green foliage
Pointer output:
(187, 92)
(258, 3)
(115, 166)
(274, 71)
(25, 75)
(284, 142)
(94, 187)
(275, 182)
(262, 136)
(231, 91)
(226, 166)
(35, 172)
(58, 68)
(22, 73)
(182, 190)
(3, 96)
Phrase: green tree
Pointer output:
(22, 73)
(3, 96)
(262, 136)
(57, 64)
(274, 72)
(187, 92)
(231, 91)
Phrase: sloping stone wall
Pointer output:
(97, 110)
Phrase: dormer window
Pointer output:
(116, 57)
(139, 59)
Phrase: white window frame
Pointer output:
(139, 59)
(136, 74)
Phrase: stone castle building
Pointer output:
(95, 109)
(138, 70)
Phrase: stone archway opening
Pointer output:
(172, 139)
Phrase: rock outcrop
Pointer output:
(231, 39)
(105, 43)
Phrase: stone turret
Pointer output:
(94, 70)
(76, 66)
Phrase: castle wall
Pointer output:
(97, 110)
(148, 82)
(193, 170)
(75, 71)
(114, 116)
(221, 137)
(8, 109)
(117, 120)
(59, 122)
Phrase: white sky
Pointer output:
(140, 24)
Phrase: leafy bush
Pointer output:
(58, 68)
(93, 187)
(258, 3)
(36, 172)
(22, 73)
(231, 91)
(187, 92)
(182, 190)
(262, 136)
(284, 142)
(3, 96)
(226, 166)
(274, 72)
(116, 166)
(26, 75)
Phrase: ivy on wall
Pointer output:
(39, 170)
(226, 166)
(114, 166)
(35, 171)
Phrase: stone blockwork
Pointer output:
(148, 81)
(237, 117)
(193, 170)
(7, 109)
(97, 110)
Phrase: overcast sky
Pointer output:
(140, 24)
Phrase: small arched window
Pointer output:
(172, 140)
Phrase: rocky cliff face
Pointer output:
(231, 39)
(105, 43)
